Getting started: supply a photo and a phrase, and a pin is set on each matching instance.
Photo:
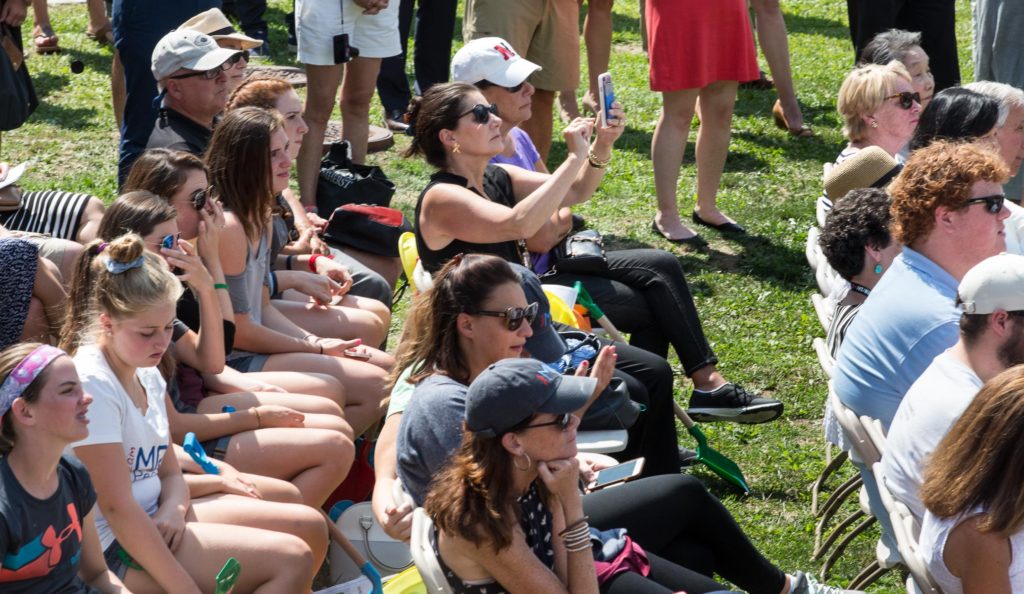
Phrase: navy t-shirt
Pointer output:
(41, 539)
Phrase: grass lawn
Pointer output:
(752, 292)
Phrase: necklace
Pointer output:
(860, 288)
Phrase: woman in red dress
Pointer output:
(697, 49)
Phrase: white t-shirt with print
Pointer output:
(114, 418)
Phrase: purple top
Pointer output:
(525, 157)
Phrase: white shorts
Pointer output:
(318, 21)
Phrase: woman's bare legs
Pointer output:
(321, 94)
(667, 147)
(772, 35)
(314, 384)
(296, 519)
(314, 460)
(319, 413)
(597, 32)
(356, 94)
(118, 94)
(364, 383)
(272, 562)
(43, 27)
(334, 321)
(716, 104)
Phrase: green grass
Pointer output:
(752, 292)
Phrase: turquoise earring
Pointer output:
(878, 269)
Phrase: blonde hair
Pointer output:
(96, 289)
(863, 91)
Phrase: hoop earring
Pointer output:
(456, 149)
(529, 462)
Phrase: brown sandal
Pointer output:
(45, 41)
(780, 120)
(103, 36)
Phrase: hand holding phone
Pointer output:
(619, 473)
(606, 96)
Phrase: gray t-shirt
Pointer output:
(431, 431)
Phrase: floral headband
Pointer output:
(25, 373)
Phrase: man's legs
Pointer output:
(936, 20)
(392, 84)
(435, 26)
(356, 94)
(321, 92)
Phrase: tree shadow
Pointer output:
(75, 118)
(798, 23)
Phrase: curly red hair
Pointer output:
(939, 175)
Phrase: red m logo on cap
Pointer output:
(505, 51)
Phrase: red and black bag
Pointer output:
(366, 227)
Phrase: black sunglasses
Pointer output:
(907, 99)
(561, 421)
(481, 113)
(199, 198)
(485, 84)
(514, 316)
(993, 203)
(215, 72)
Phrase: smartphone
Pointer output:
(619, 473)
(354, 354)
(606, 95)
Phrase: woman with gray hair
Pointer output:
(904, 47)
(1010, 130)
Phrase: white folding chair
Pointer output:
(907, 531)
(423, 553)
(602, 442)
(811, 249)
(824, 357)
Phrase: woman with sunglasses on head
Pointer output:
(118, 331)
(285, 436)
(46, 498)
(477, 314)
(473, 205)
(296, 230)
(880, 108)
(248, 161)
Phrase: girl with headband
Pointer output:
(147, 528)
(48, 538)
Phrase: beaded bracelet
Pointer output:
(597, 163)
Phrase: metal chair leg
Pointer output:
(869, 575)
(838, 531)
(831, 507)
(833, 465)
(845, 542)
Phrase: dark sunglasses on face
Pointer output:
(482, 113)
(514, 316)
(993, 203)
(215, 72)
(561, 421)
(907, 99)
(199, 198)
(169, 241)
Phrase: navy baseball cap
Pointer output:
(545, 344)
(512, 390)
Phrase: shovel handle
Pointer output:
(610, 328)
(682, 416)
(342, 541)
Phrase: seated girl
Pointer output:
(34, 295)
(42, 411)
(118, 333)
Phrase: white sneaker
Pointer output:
(806, 584)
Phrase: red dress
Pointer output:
(693, 43)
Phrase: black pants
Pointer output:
(249, 14)
(435, 26)
(648, 378)
(935, 19)
(688, 534)
(644, 292)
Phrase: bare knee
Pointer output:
(297, 563)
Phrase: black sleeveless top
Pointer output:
(498, 188)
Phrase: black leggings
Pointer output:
(688, 534)
(644, 292)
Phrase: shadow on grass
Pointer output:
(797, 23)
(74, 118)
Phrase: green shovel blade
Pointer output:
(717, 462)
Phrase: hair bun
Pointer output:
(126, 248)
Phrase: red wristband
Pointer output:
(313, 258)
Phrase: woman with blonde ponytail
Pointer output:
(119, 327)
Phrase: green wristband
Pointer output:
(221, 286)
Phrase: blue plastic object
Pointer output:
(227, 409)
(195, 449)
(373, 575)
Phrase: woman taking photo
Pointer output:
(471, 206)
(42, 411)
(249, 164)
(119, 331)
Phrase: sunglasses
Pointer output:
(514, 89)
(215, 72)
(907, 99)
(482, 113)
(514, 316)
(993, 203)
(561, 421)
(168, 241)
(198, 198)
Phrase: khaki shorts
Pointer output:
(545, 32)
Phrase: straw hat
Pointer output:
(871, 167)
(216, 25)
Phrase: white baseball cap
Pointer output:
(491, 59)
(189, 49)
(994, 283)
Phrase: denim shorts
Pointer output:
(248, 363)
(118, 560)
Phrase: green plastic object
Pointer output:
(584, 299)
(227, 576)
(708, 456)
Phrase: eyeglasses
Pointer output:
(907, 99)
(482, 113)
(169, 241)
(199, 197)
(514, 316)
(486, 84)
(993, 203)
(561, 421)
(215, 72)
